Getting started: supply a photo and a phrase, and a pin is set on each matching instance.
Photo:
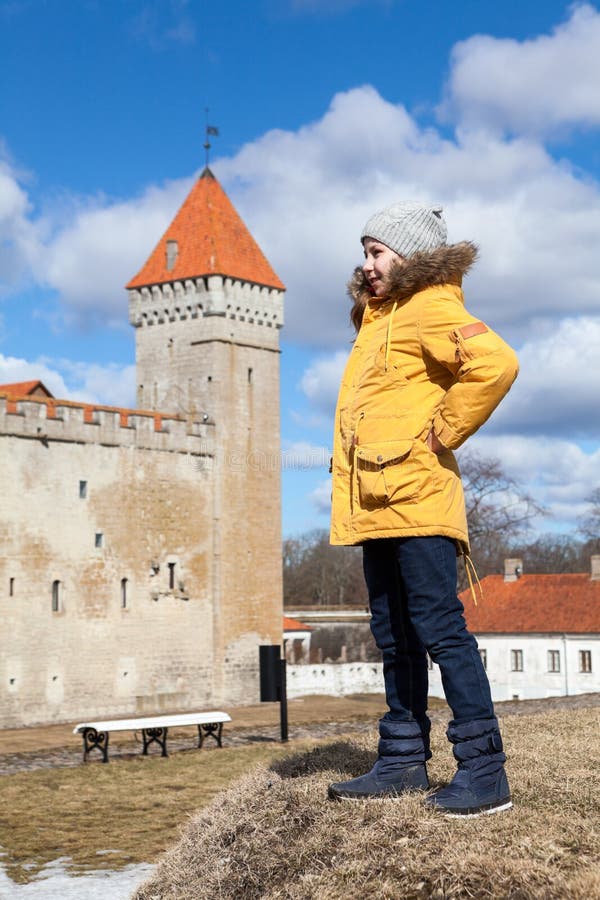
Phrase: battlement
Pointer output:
(211, 295)
(48, 419)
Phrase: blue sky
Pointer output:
(327, 110)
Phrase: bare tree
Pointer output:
(317, 574)
(499, 511)
(589, 525)
(552, 554)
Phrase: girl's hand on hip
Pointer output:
(434, 444)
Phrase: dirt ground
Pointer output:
(263, 719)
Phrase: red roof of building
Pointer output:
(535, 604)
(25, 389)
(211, 240)
(51, 403)
(290, 624)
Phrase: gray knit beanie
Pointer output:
(408, 228)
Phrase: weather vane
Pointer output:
(209, 130)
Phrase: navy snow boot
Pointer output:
(480, 785)
(400, 766)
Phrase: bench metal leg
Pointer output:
(95, 740)
(212, 729)
(155, 735)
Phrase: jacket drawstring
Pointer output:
(388, 338)
(469, 563)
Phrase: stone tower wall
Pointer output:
(210, 349)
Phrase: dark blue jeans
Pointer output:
(415, 610)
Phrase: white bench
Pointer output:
(153, 728)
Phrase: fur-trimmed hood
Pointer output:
(446, 265)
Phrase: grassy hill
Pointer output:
(273, 834)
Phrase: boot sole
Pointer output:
(470, 813)
(395, 796)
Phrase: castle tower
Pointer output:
(207, 308)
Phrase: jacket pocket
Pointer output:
(385, 472)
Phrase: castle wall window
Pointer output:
(11, 587)
(554, 660)
(56, 596)
(585, 661)
(124, 597)
(98, 540)
(516, 660)
(250, 373)
(483, 657)
(82, 490)
(171, 566)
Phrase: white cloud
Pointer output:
(18, 235)
(301, 456)
(112, 384)
(536, 86)
(99, 249)
(307, 194)
(558, 473)
(321, 381)
(320, 497)
(557, 392)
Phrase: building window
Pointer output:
(249, 376)
(171, 566)
(98, 540)
(585, 660)
(483, 656)
(11, 587)
(55, 596)
(124, 598)
(554, 660)
(82, 490)
(516, 660)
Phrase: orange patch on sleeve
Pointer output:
(468, 331)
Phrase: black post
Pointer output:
(283, 712)
(273, 681)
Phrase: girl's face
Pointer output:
(378, 261)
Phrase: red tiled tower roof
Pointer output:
(211, 240)
(535, 604)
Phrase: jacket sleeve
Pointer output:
(483, 365)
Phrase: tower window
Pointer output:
(249, 376)
(98, 540)
(171, 575)
(11, 587)
(172, 253)
(82, 490)
(124, 597)
(55, 596)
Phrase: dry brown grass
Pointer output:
(133, 808)
(275, 835)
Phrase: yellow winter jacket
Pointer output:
(420, 360)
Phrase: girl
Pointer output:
(423, 375)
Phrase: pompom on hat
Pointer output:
(408, 228)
